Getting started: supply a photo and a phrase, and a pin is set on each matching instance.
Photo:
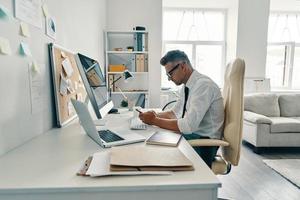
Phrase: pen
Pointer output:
(138, 110)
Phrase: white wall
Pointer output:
(286, 5)
(79, 28)
(124, 15)
(252, 35)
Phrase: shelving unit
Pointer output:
(127, 50)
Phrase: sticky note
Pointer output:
(24, 49)
(5, 13)
(35, 67)
(5, 46)
(24, 29)
(45, 10)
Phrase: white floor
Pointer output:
(252, 179)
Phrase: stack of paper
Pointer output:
(149, 158)
(136, 160)
(100, 166)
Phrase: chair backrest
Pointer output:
(233, 93)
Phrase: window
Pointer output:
(283, 52)
(201, 35)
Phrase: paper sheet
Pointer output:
(100, 166)
(36, 90)
(25, 50)
(24, 29)
(63, 55)
(29, 11)
(70, 86)
(5, 46)
(63, 87)
(67, 67)
(5, 13)
(70, 108)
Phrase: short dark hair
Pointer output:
(173, 56)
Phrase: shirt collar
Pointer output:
(192, 79)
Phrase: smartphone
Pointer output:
(138, 110)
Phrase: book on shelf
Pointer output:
(140, 63)
(111, 79)
(144, 43)
(116, 68)
(140, 41)
(133, 62)
(145, 63)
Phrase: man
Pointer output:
(198, 113)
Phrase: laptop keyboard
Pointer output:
(109, 136)
(137, 124)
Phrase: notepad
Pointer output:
(164, 138)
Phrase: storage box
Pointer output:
(117, 68)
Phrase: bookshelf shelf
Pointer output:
(135, 60)
(134, 73)
(127, 52)
(131, 92)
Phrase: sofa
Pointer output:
(272, 120)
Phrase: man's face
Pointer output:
(174, 71)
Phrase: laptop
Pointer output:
(105, 138)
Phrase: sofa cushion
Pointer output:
(256, 118)
(297, 118)
(264, 104)
(289, 105)
(284, 125)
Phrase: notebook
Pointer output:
(164, 138)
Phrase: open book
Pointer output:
(164, 138)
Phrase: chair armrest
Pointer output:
(207, 142)
(256, 118)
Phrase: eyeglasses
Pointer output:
(169, 73)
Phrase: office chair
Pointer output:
(233, 94)
(230, 144)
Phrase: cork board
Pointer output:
(67, 83)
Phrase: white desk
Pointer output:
(45, 168)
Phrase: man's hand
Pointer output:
(148, 117)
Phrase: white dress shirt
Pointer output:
(204, 109)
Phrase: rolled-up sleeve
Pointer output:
(199, 103)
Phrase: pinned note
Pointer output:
(70, 86)
(45, 10)
(63, 55)
(24, 29)
(70, 108)
(63, 87)
(79, 97)
(5, 13)
(24, 49)
(67, 67)
(76, 85)
(5, 46)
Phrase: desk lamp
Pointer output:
(127, 76)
